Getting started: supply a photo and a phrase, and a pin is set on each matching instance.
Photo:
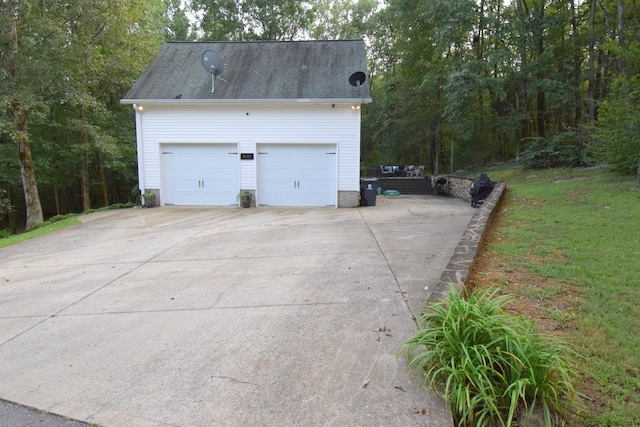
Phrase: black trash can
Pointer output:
(368, 190)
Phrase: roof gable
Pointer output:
(255, 71)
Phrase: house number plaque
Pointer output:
(246, 156)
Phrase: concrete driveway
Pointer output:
(219, 316)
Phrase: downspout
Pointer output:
(141, 184)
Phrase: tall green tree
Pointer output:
(179, 26)
(98, 51)
(276, 20)
(220, 19)
(618, 118)
(75, 59)
(253, 19)
(342, 19)
(406, 122)
(490, 77)
(24, 87)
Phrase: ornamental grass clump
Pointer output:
(490, 367)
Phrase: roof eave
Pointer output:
(250, 101)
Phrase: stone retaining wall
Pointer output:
(457, 271)
(457, 187)
(460, 187)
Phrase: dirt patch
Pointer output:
(579, 178)
(578, 194)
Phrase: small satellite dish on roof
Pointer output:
(212, 63)
(357, 79)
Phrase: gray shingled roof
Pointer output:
(255, 71)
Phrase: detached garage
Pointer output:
(278, 119)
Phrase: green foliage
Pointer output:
(487, 365)
(618, 126)
(71, 66)
(243, 196)
(5, 203)
(466, 83)
(569, 148)
(341, 19)
(58, 218)
(118, 206)
(178, 26)
(253, 19)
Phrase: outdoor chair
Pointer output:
(418, 172)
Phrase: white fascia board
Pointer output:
(250, 101)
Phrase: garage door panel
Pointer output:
(297, 175)
(200, 174)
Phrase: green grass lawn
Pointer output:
(566, 244)
(55, 223)
(7, 239)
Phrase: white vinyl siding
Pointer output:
(349, 165)
(247, 167)
(248, 125)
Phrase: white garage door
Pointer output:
(297, 175)
(200, 174)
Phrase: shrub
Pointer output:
(58, 218)
(5, 203)
(487, 365)
(618, 125)
(118, 206)
(570, 148)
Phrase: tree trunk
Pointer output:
(27, 169)
(480, 37)
(592, 62)
(56, 195)
(621, 40)
(85, 183)
(103, 184)
(435, 151)
(522, 95)
(541, 98)
(13, 223)
(21, 123)
(577, 71)
(451, 158)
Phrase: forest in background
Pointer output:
(456, 84)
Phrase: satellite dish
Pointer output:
(357, 79)
(212, 63)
